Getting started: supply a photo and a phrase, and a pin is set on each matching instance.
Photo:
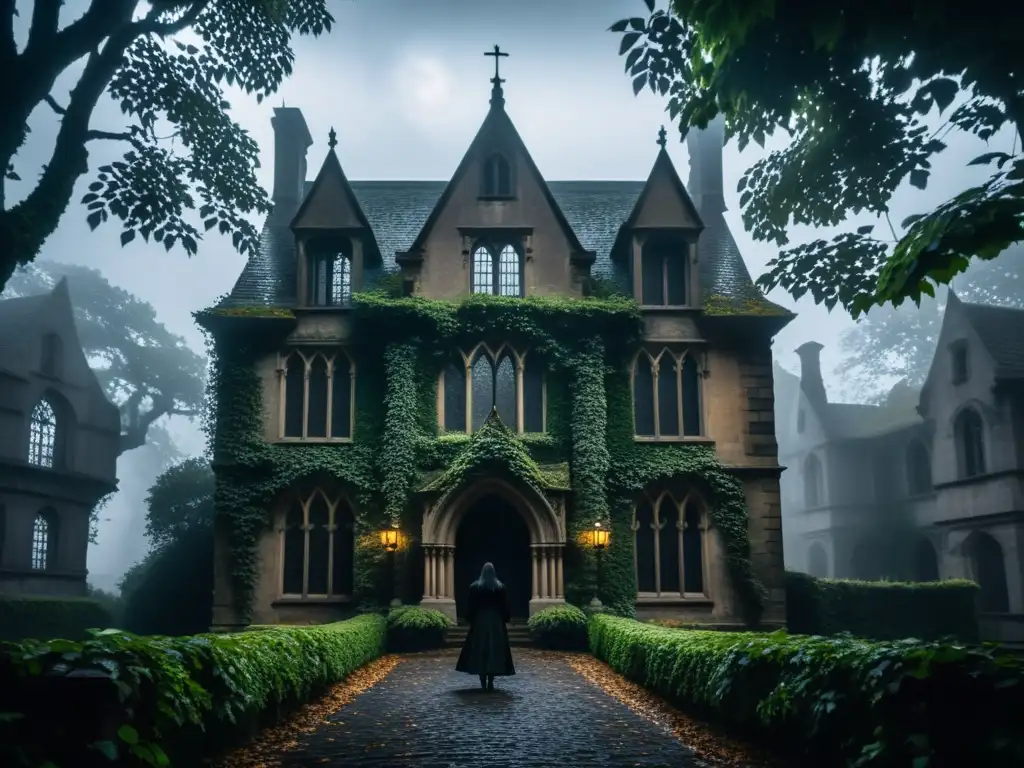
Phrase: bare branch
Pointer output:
(45, 16)
(107, 135)
(54, 105)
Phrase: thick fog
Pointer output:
(405, 85)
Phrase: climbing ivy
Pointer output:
(396, 449)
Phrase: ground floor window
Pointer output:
(318, 546)
(670, 536)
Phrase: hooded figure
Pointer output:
(486, 651)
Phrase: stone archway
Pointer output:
(544, 521)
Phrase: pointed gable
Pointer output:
(664, 202)
(330, 204)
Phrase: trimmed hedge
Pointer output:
(46, 617)
(411, 628)
(833, 701)
(560, 628)
(149, 699)
(882, 610)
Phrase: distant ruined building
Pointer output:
(929, 485)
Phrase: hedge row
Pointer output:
(560, 628)
(833, 701)
(150, 700)
(882, 610)
(411, 628)
(27, 617)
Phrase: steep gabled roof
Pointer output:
(1001, 330)
(330, 203)
(664, 168)
(498, 120)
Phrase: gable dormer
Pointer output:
(496, 229)
(659, 240)
(333, 240)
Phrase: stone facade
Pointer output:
(930, 485)
(58, 447)
(558, 237)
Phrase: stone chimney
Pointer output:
(705, 150)
(810, 372)
(291, 140)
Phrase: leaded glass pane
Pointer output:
(341, 280)
(668, 397)
(41, 543)
(693, 552)
(341, 397)
(454, 398)
(483, 389)
(294, 550)
(319, 545)
(505, 391)
(42, 435)
(668, 545)
(643, 397)
(316, 420)
(508, 274)
(645, 553)
(294, 395)
(533, 395)
(483, 271)
(691, 397)
(344, 549)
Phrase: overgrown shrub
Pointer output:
(411, 628)
(47, 617)
(882, 610)
(79, 704)
(560, 628)
(833, 701)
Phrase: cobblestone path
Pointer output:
(425, 714)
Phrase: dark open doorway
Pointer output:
(494, 531)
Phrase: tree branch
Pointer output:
(8, 47)
(106, 135)
(45, 15)
(54, 105)
(166, 29)
(139, 423)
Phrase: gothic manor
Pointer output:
(702, 374)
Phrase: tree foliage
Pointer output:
(129, 52)
(180, 500)
(144, 368)
(853, 84)
(899, 342)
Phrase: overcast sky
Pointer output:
(405, 85)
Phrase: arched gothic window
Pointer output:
(666, 395)
(317, 394)
(318, 546)
(814, 482)
(497, 176)
(969, 432)
(330, 280)
(42, 438)
(51, 355)
(988, 570)
(670, 546)
(663, 268)
(44, 540)
(497, 270)
(473, 383)
(919, 469)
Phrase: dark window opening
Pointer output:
(497, 180)
(663, 274)
(961, 368)
(643, 397)
(970, 438)
(319, 395)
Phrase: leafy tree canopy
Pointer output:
(852, 83)
(899, 342)
(144, 368)
(180, 500)
(161, 85)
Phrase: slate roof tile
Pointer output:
(1002, 333)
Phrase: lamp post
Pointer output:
(389, 540)
(599, 537)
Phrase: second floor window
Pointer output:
(960, 363)
(666, 395)
(317, 395)
(969, 433)
(504, 379)
(330, 280)
(42, 436)
(663, 266)
(497, 270)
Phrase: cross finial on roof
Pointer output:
(332, 138)
(497, 97)
(662, 141)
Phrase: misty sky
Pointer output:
(405, 85)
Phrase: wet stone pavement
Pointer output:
(425, 714)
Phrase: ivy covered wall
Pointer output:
(400, 347)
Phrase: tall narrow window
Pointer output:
(666, 395)
(317, 395)
(44, 535)
(504, 380)
(52, 355)
(670, 546)
(969, 433)
(330, 280)
(663, 273)
(497, 270)
(960, 362)
(318, 547)
(813, 482)
(497, 176)
(42, 435)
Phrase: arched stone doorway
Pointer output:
(492, 530)
(988, 569)
(544, 521)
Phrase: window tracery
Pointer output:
(318, 546)
(317, 394)
(42, 440)
(475, 381)
(670, 545)
(666, 394)
(497, 269)
(44, 535)
(330, 280)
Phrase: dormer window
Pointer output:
(497, 269)
(497, 176)
(663, 273)
(330, 280)
(960, 363)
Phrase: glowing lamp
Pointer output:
(600, 536)
(389, 537)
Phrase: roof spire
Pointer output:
(497, 96)
(332, 138)
(662, 141)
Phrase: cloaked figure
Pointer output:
(486, 651)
